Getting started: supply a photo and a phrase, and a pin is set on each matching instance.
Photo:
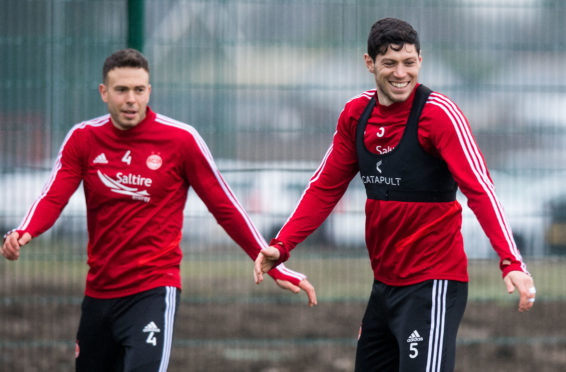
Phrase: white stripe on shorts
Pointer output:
(170, 299)
(437, 321)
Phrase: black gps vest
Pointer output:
(407, 173)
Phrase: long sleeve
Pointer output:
(452, 138)
(324, 189)
(62, 183)
(213, 190)
(210, 186)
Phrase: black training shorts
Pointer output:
(411, 328)
(132, 333)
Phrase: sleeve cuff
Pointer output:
(283, 273)
(513, 266)
(283, 250)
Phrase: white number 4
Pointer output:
(151, 339)
(127, 158)
(414, 351)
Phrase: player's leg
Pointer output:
(377, 348)
(426, 320)
(96, 349)
(145, 329)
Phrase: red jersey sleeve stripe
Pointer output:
(471, 152)
(101, 120)
(460, 125)
(283, 269)
(29, 215)
(320, 168)
(314, 178)
(208, 156)
(368, 94)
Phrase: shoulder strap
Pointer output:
(421, 96)
(362, 122)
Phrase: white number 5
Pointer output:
(414, 351)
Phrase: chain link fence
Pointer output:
(264, 81)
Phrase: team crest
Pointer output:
(154, 162)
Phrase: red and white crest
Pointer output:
(154, 162)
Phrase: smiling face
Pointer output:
(396, 72)
(126, 91)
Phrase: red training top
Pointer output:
(407, 242)
(136, 183)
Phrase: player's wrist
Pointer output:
(283, 251)
(20, 233)
(507, 266)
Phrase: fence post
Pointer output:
(136, 24)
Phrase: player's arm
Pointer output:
(214, 191)
(62, 183)
(453, 140)
(325, 188)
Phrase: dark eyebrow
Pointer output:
(127, 87)
(389, 60)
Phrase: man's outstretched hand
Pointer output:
(304, 285)
(524, 285)
(285, 278)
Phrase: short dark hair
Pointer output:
(391, 31)
(124, 58)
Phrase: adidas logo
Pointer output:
(100, 159)
(415, 337)
(151, 327)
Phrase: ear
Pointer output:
(103, 89)
(369, 63)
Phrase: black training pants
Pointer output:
(411, 328)
(127, 334)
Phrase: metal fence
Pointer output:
(264, 81)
